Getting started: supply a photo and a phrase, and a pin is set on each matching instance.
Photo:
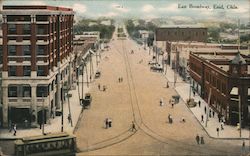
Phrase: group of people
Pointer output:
(120, 79)
(108, 123)
(199, 139)
(104, 88)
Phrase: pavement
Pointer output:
(54, 125)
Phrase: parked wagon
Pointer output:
(87, 101)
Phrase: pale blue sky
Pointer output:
(149, 8)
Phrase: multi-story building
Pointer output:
(37, 52)
(225, 78)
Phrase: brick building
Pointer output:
(37, 52)
(227, 75)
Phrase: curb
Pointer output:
(202, 125)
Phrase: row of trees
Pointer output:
(106, 31)
(133, 29)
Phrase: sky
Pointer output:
(149, 9)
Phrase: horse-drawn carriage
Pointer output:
(86, 101)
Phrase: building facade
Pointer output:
(225, 78)
(37, 47)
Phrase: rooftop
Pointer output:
(182, 26)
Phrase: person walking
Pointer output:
(104, 88)
(69, 118)
(107, 123)
(202, 140)
(161, 102)
(14, 128)
(199, 103)
(167, 85)
(99, 86)
(133, 126)
(213, 114)
(202, 118)
(205, 109)
(197, 138)
(222, 125)
(217, 129)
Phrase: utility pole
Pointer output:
(43, 116)
(82, 78)
(62, 107)
(209, 97)
(239, 114)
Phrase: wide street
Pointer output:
(137, 99)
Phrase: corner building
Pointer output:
(37, 62)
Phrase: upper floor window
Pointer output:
(26, 91)
(41, 91)
(26, 70)
(41, 71)
(12, 71)
(40, 50)
(11, 29)
(12, 91)
(26, 29)
(41, 29)
(26, 50)
(11, 50)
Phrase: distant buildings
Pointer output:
(225, 77)
(37, 64)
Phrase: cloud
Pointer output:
(181, 18)
(170, 8)
(108, 14)
(120, 8)
(79, 8)
(148, 8)
(37, 3)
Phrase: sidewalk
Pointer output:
(183, 89)
(54, 125)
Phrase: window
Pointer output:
(26, 70)
(41, 71)
(12, 71)
(40, 50)
(11, 50)
(41, 91)
(1, 55)
(26, 50)
(26, 91)
(40, 29)
(11, 29)
(12, 91)
(26, 29)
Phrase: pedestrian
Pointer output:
(99, 86)
(119, 80)
(69, 118)
(222, 125)
(205, 109)
(213, 114)
(197, 138)
(217, 129)
(210, 113)
(202, 117)
(161, 102)
(183, 119)
(110, 123)
(104, 88)
(133, 126)
(167, 85)
(202, 140)
(194, 92)
(172, 104)
(243, 146)
(14, 128)
(106, 123)
(199, 103)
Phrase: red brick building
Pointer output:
(227, 75)
(37, 52)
